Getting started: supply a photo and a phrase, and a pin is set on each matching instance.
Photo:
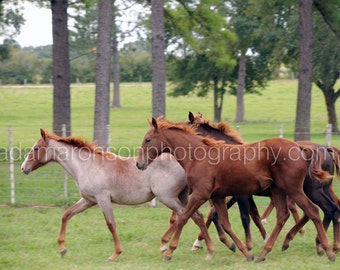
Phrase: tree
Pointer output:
(116, 65)
(104, 54)
(326, 67)
(11, 20)
(303, 109)
(206, 44)
(61, 68)
(158, 58)
(330, 11)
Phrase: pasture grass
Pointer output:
(28, 241)
(28, 108)
(28, 235)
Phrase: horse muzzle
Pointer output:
(141, 166)
(25, 171)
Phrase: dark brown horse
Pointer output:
(215, 170)
(320, 193)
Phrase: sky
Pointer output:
(37, 30)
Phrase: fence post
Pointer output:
(281, 131)
(63, 133)
(11, 164)
(238, 129)
(328, 134)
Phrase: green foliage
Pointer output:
(135, 63)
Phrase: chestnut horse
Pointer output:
(103, 178)
(215, 170)
(319, 192)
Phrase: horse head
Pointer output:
(39, 155)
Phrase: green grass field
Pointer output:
(28, 241)
(28, 234)
(28, 108)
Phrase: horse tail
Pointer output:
(335, 153)
(314, 161)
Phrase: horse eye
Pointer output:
(147, 140)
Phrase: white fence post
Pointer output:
(63, 133)
(281, 131)
(328, 135)
(11, 164)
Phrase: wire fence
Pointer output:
(51, 184)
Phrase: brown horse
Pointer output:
(215, 170)
(319, 192)
(104, 178)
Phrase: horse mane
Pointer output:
(225, 129)
(78, 142)
(163, 124)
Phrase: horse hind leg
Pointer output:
(282, 214)
(222, 211)
(292, 208)
(254, 213)
(293, 231)
(73, 210)
(167, 235)
(312, 212)
(336, 232)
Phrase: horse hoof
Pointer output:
(195, 248)
(209, 257)
(250, 258)
(233, 248)
(260, 259)
(332, 258)
(163, 248)
(166, 258)
(62, 253)
(285, 247)
(320, 252)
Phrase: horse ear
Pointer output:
(154, 123)
(43, 133)
(191, 117)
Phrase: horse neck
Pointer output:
(70, 157)
(182, 146)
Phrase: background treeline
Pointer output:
(34, 65)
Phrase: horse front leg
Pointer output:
(213, 217)
(76, 208)
(106, 208)
(194, 203)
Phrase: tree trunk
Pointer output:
(240, 88)
(61, 68)
(116, 66)
(302, 120)
(331, 112)
(218, 102)
(103, 61)
(158, 58)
